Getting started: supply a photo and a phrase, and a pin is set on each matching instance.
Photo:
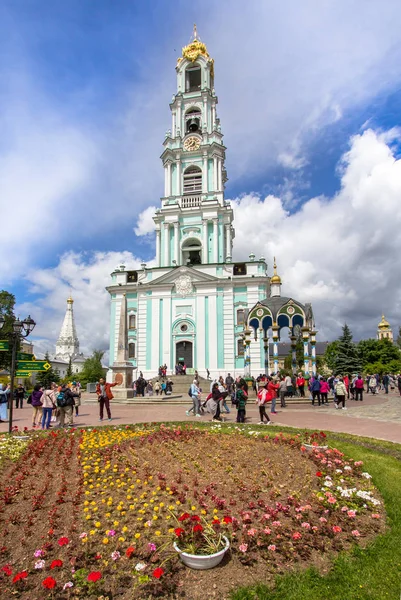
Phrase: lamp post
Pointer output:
(20, 329)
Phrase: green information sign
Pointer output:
(33, 365)
(25, 356)
(23, 374)
(4, 346)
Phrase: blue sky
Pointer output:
(309, 101)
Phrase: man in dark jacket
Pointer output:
(65, 403)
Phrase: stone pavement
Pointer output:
(377, 416)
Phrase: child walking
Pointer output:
(241, 398)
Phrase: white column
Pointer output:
(166, 258)
(176, 243)
(215, 173)
(215, 240)
(173, 127)
(205, 254)
(228, 241)
(165, 180)
(178, 170)
(179, 118)
(213, 117)
(158, 239)
(204, 175)
(169, 179)
(219, 185)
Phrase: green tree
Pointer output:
(7, 302)
(68, 374)
(398, 340)
(378, 351)
(45, 378)
(92, 370)
(347, 357)
(330, 355)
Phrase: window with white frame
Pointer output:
(240, 316)
(192, 180)
(131, 350)
(240, 347)
(132, 322)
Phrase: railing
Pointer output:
(190, 201)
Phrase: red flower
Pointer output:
(130, 551)
(227, 520)
(94, 576)
(98, 556)
(49, 583)
(19, 576)
(56, 563)
(319, 473)
(158, 573)
(178, 531)
(197, 528)
(184, 517)
(195, 518)
(7, 569)
(63, 541)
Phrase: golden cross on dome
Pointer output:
(195, 32)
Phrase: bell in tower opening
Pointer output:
(193, 120)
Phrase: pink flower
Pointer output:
(276, 524)
(267, 530)
(323, 520)
(336, 529)
(355, 533)
(115, 555)
(111, 533)
(344, 508)
(83, 535)
(332, 500)
(243, 548)
(252, 531)
(305, 525)
(375, 516)
(296, 535)
(152, 547)
(272, 547)
(351, 513)
(38, 553)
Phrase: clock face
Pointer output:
(191, 143)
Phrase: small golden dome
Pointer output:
(70, 300)
(384, 324)
(276, 278)
(195, 49)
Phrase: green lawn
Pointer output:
(370, 574)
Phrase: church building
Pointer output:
(193, 306)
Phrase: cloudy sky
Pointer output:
(310, 106)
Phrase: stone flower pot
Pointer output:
(309, 447)
(206, 561)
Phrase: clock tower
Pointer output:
(194, 224)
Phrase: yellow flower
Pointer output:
(124, 529)
(171, 530)
(105, 540)
(116, 523)
(161, 504)
(215, 511)
(97, 524)
(137, 536)
(158, 532)
(203, 512)
(177, 502)
(121, 539)
(92, 532)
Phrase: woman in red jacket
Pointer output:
(104, 395)
(301, 385)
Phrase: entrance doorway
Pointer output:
(183, 354)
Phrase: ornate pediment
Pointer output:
(183, 276)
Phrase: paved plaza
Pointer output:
(377, 416)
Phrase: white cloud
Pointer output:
(145, 223)
(85, 276)
(340, 253)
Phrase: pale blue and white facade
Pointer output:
(192, 306)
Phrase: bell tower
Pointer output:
(194, 223)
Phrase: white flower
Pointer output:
(67, 585)
(40, 564)
(140, 566)
(347, 468)
(366, 475)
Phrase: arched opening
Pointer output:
(193, 79)
(192, 252)
(183, 354)
(192, 180)
(193, 120)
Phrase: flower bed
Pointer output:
(96, 512)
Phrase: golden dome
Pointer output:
(70, 300)
(384, 324)
(276, 278)
(195, 49)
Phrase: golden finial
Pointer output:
(195, 32)
(383, 323)
(276, 278)
(70, 300)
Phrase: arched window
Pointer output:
(240, 347)
(192, 180)
(131, 350)
(132, 322)
(193, 79)
(192, 120)
(192, 252)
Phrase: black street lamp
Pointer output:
(21, 329)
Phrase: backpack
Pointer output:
(61, 399)
(190, 391)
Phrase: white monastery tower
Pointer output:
(67, 345)
(192, 307)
